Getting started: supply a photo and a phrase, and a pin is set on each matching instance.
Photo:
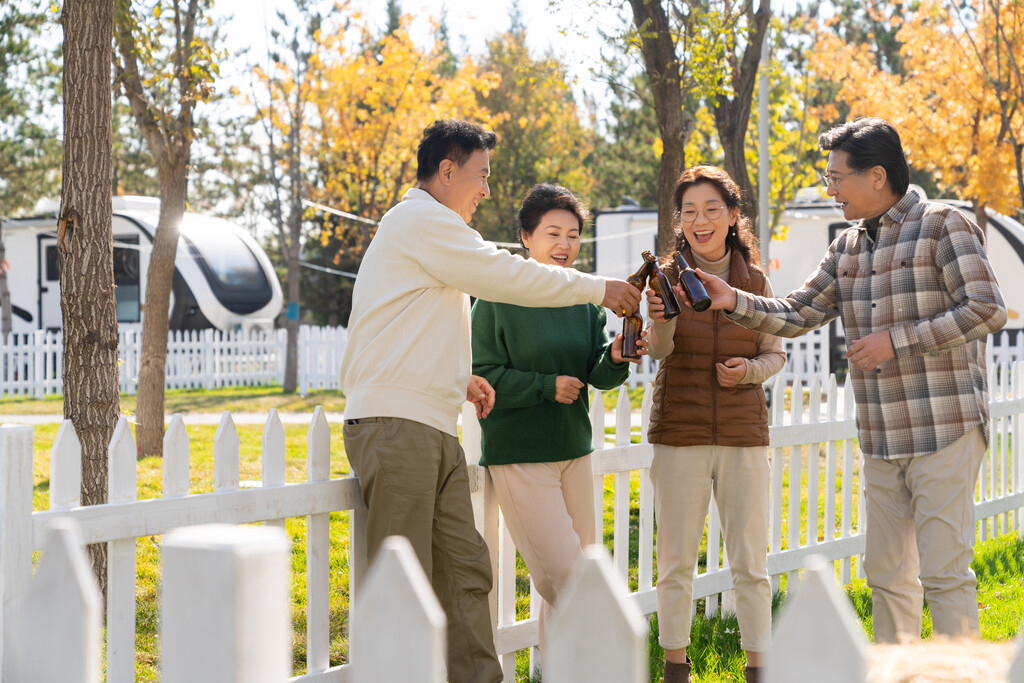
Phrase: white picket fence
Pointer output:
(31, 364)
(814, 440)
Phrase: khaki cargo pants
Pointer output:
(415, 484)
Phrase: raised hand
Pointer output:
(620, 297)
(723, 296)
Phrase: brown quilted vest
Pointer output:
(690, 408)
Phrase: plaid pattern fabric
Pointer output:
(929, 283)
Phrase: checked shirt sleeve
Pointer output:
(803, 310)
(977, 306)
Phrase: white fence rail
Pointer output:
(31, 364)
(814, 440)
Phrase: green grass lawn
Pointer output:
(235, 399)
(999, 562)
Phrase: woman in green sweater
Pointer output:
(537, 439)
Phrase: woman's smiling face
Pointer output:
(556, 239)
(706, 220)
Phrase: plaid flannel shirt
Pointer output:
(929, 283)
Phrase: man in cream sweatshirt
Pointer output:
(406, 373)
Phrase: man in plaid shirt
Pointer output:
(916, 295)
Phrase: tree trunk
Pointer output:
(1018, 152)
(291, 362)
(6, 320)
(732, 115)
(160, 277)
(86, 248)
(662, 66)
(980, 217)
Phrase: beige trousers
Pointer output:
(920, 540)
(684, 479)
(415, 484)
(549, 511)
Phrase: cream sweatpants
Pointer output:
(920, 540)
(684, 479)
(549, 511)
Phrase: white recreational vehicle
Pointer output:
(812, 224)
(222, 277)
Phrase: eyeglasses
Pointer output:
(832, 181)
(710, 212)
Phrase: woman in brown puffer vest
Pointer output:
(709, 424)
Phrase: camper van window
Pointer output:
(52, 264)
(229, 260)
(126, 278)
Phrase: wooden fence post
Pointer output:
(15, 537)
(225, 604)
(318, 546)
(66, 468)
(60, 632)
(818, 637)
(401, 632)
(121, 569)
(593, 614)
(272, 457)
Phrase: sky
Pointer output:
(567, 27)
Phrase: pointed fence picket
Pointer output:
(818, 636)
(63, 614)
(593, 613)
(401, 634)
(817, 426)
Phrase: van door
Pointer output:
(49, 284)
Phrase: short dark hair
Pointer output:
(546, 197)
(741, 235)
(450, 139)
(871, 142)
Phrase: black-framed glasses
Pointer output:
(832, 181)
(710, 212)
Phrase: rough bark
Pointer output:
(149, 414)
(732, 114)
(169, 139)
(293, 244)
(86, 248)
(663, 69)
(6, 320)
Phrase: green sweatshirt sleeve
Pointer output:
(603, 373)
(512, 388)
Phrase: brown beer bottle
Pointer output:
(691, 284)
(639, 278)
(660, 284)
(632, 324)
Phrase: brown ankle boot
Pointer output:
(752, 674)
(677, 673)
